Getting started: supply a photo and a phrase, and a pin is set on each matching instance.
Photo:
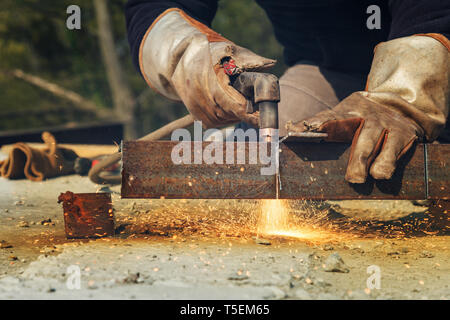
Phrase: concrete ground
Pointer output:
(167, 249)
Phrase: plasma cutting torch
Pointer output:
(262, 91)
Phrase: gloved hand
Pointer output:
(182, 59)
(37, 164)
(407, 99)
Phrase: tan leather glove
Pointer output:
(38, 164)
(407, 99)
(182, 59)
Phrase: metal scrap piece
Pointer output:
(87, 215)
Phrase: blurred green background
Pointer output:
(34, 39)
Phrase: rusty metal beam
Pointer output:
(307, 171)
(148, 172)
(316, 171)
(438, 171)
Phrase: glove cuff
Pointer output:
(165, 42)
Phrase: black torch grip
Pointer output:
(262, 91)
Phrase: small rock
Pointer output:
(327, 247)
(238, 277)
(92, 285)
(301, 294)
(426, 254)
(47, 250)
(133, 278)
(13, 258)
(334, 263)
(23, 224)
(6, 210)
(263, 242)
(5, 245)
(47, 222)
(50, 290)
(18, 203)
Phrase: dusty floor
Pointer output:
(211, 250)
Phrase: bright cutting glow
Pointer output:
(274, 221)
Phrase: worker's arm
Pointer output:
(181, 58)
(407, 94)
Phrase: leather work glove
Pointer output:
(181, 59)
(407, 99)
(38, 164)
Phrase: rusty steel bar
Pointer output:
(87, 215)
(316, 171)
(438, 169)
(307, 171)
(149, 172)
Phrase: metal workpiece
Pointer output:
(304, 137)
(150, 172)
(307, 171)
(317, 170)
(438, 172)
(87, 215)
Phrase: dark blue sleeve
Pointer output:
(140, 14)
(419, 16)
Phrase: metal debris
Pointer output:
(426, 254)
(5, 245)
(133, 278)
(47, 222)
(23, 224)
